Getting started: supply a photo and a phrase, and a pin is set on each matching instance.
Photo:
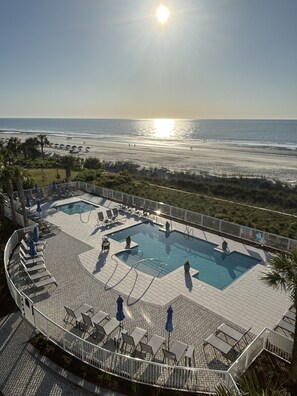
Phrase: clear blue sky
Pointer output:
(112, 59)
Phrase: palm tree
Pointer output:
(6, 180)
(43, 140)
(19, 176)
(68, 162)
(283, 275)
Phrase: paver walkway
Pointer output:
(20, 372)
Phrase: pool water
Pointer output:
(159, 253)
(76, 208)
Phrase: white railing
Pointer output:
(146, 372)
(269, 340)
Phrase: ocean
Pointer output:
(275, 133)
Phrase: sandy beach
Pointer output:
(191, 156)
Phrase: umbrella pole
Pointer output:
(119, 336)
(168, 339)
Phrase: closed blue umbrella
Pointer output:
(120, 316)
(35, 234)
(54, 186)
(35, 189)
(120, 311)
(169, 322)
(38, 209)
(32, 249)
(28, 204)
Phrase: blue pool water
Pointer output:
(76, 207)
(163, 253)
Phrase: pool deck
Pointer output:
(85, 274)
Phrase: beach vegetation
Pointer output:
(92, 163)
(30, 148)
(283, 275)
(14, 145)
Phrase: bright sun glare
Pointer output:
(162, 14)
(164, 128)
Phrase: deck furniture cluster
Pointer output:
(33, 267)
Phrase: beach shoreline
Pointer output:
(193, 156)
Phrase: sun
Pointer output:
(162, 14)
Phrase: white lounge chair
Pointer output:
(284, 325)
(106, 330)
(31, 261)
(153, 345)
(220, 345)
(33, 268)
(27, 256)
(175, 352)
(133, 339)
(38, 283)
(231, 332)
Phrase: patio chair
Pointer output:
(220, 345)
(106, 330)
(175, 352)
(133, 339)
(89, 321)
(284, 325)
(231, 332)
(77, 313)
(153, 345)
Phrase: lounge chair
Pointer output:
(153, 345)
(42, 282)
(219, 344)
(89, 321)
(290, 315)
(30, 260)
(117, 216)
(27, 256)
(39, 244)
(175, 352)
(32, 268)
(37, 275)
(77, 313)
(231, 332)
(26, 248)
(133, 339)
(284, 325)
(106, 330)
(110, 216)
(100, 219)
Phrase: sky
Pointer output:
(213, 59)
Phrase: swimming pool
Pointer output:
(159, 253)
(76, 207)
